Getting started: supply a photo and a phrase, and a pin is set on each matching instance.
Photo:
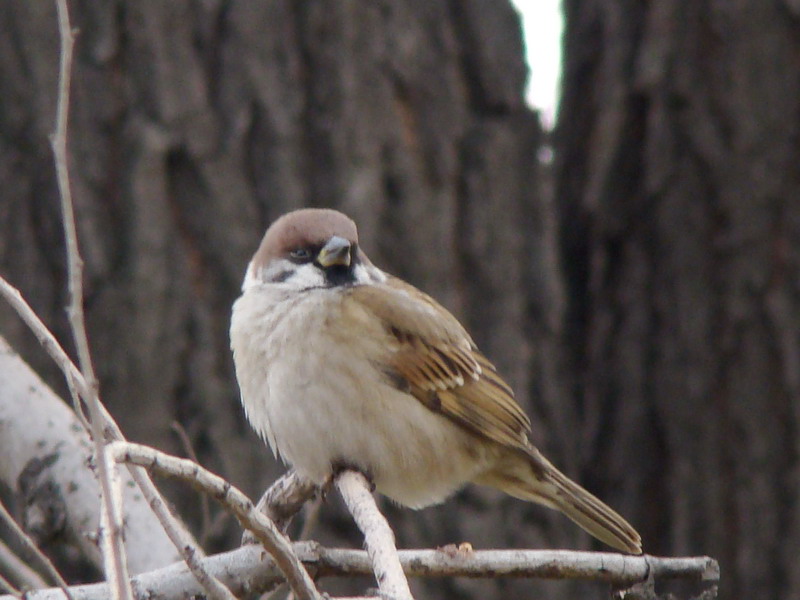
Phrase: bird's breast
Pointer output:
(312, 384)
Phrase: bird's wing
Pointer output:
(434, 359)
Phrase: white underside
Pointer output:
(310, 389)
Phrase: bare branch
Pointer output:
(378, 535)
(43, 335)
(24, 539)
(611, 567)
(175, 530)
(59, 143)
(248, 569)
(311, 519)
(116, 566)
(7, 586)
(45, 455)
(205, 509)
(18, 570)
(219, 489)
(181, 538)
(284, 498)
(244, 571)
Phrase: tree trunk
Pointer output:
(195, 124)
(677, 181)
(46, 453)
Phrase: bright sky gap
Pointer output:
(542, 25)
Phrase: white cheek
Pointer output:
(275, 274)
(251, 278)
(365, 274)
(306, 276)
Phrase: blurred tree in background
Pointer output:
(640, 292)
(677, 187)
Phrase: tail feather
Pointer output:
(596, 517)
(537, 480)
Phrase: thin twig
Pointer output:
(111, 539)
(98, 416)
(219, 489)
(283, 499)
(378, 535)
(205, 510)
(7, 586)
(19, 570)
(77, 406)
(188, 548)
(219, 523)
(191, 553)
(45, 337)
(311, 518)
(24, 539)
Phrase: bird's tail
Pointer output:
(539, 481)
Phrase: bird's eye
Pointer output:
(300, 254)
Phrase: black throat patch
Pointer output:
(340, 275)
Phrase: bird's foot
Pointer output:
(340, 466)
(461, 550)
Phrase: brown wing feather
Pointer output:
(441, 365)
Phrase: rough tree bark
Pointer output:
(196, 123)
(677, 181)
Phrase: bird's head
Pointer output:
(311, 248)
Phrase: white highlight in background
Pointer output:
(542, 23)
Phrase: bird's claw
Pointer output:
(461, 550)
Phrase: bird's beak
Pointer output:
(335, 252)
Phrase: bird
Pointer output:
(343, 366)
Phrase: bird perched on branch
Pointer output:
(341, 365)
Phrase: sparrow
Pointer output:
(341, 365)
